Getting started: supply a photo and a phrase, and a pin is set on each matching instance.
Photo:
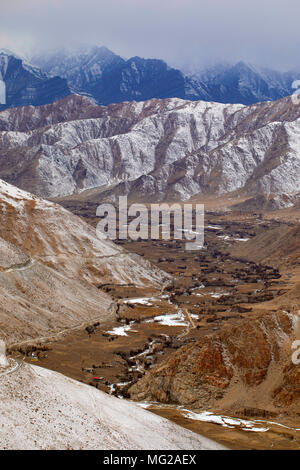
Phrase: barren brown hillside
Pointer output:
(51, 266)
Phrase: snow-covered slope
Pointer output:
(155, 149)
(51, 265)
(77, 416)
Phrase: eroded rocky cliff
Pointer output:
(244, 366)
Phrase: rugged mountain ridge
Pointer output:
(152, 150)
(82, 68)
(108, 78)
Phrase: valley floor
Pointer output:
(213, 289)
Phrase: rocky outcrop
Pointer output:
(267, 202)
(230, 369)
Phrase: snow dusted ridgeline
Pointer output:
(3, 359)
(78, 416)
(157, 149)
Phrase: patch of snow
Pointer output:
(3, 359)
(139, 300)
(215, 227)
(224, 237)
(225, 421)
(121, 330)
(217, 295)
(171, 319)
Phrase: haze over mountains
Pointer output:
(108, 78)
(213, 330)
(111, 79)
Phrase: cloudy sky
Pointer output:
(183, 32)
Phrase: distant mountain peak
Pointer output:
(97, 72)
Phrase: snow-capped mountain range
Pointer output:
(240, 83)
(108, 78)
(111, 79)
(153, 150)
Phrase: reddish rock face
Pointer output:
(289, 391)
(200, 373)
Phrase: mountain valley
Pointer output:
(149, 231)
(203, 338)
(215, 300)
